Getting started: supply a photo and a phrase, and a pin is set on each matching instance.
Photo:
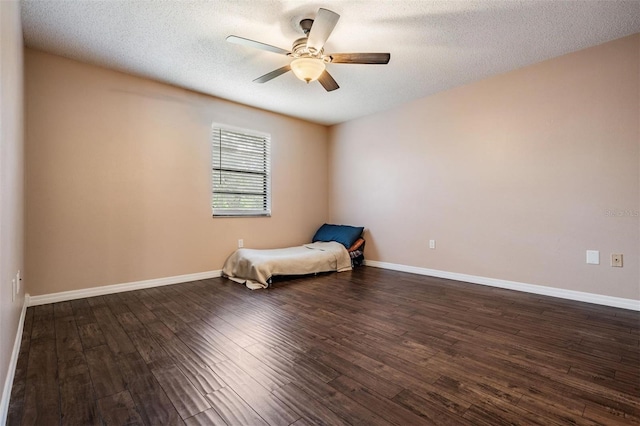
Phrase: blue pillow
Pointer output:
(343, 234)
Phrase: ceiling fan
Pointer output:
(309, 63)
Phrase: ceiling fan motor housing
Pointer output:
(306, 25)
(300, 50)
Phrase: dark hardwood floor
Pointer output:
(367, 347)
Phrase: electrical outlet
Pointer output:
(240, 243)
(616, 260)
(432, 244)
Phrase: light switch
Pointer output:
(593, 257)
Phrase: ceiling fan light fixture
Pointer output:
(308, 69)
(308, 60)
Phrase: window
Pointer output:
(241, 173)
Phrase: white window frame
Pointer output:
(217, 131)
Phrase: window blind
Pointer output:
(240, 173)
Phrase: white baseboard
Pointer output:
(13, 362)
(64, 296)
(598, 299)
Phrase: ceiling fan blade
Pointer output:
(273, 74)
(360, 58)
(256, 44)
(321, 29)
(327, 81)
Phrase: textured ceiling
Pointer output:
(434, 45)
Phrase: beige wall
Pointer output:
(11, 183)
(118, 178)
(512, 176)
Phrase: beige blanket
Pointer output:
(254, 267)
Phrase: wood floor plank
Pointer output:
(390, 347)
(502, 366)
(42, 394)
(91, 335)
(43, 323)
(628, 376)
(168, 318)
(369, 346)
(378, 384)
(313, 409)
(62, 310)
(114, 302)
(82, 312)
(379, 367)
(605, 377)
(608, 415)
(148, 347)
(187, 315)
(229, 331)
(451, 401)
(233, 409)
(294, 363)
(105, 372)
(68, 343)
(349, 409)
(184, 396)
(73, 367)
(138, 307)
(96, 301)
(191, 365)
(387, 409)
(152, 403)
(268, 407)
(201, 346)
(28, 323)
(119, 409)
(485, 416)
(555, 412)
(206, 418)
(78, 404)
(266, 376)
(303, 421)
(116, 338)
(129, 321)
(431, 413)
